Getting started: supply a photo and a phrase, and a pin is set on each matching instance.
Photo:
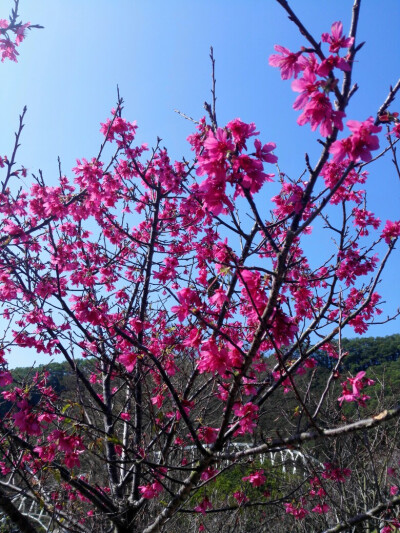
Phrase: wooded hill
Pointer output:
(377, 355)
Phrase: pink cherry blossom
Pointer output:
(359, 144)
(241, 131)
(321, 508)
(319, 112)
(218, 298)
(240, 497)
(336, 39)
(297, 511)
(189, 302)
(218, 145)
(331, 62)
(209, 435)
(256, 478)
(263, 152)
(5, 378)
(213, 358)
(335, 473)
(287, 61)
(307, 85)
(151, 490)
(396, 130)
(391, 231)
(26, 420)
(203, 506)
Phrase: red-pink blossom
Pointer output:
(119, 128)
(319, 112)
(189, 302)
(396, 130)
(26, 420)
(203, 506)
(263, 152)
(208, 435)
(193, 339)
(248, 416)
(256, 478)
(363, 219)
(241, 131)
(128, 359)
(336, 39)
(287, 61)
(158, 400)
(335, 473)
(321, 508)
(249, 174)
(5, 378)
(218, 145)
(307, 85)
(360, 144)
(331, 62)
(240, 497)
(391, 231)
(151, 490)
(209, 473)
(219, 298)
(213, 358)
(297, 510)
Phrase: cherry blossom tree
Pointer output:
(180, 297)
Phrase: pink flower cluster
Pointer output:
(189, 303)
(360, 143)
(71, 446)
(391, 231)
(346, 192)
(256, 478)
(352, 264)
(352, 387)
(8, 47)
(316, 83)
(203, 506)
(25, 419)
(220, 157)
(151, 490)
(363, 219)
(317, 80)
(335, 473)
(118, 129)
(336, 39)
(296, 509)
(248, 416)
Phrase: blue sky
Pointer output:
(157, 52)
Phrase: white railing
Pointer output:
(289, 460)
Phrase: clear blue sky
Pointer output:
(157, 52)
